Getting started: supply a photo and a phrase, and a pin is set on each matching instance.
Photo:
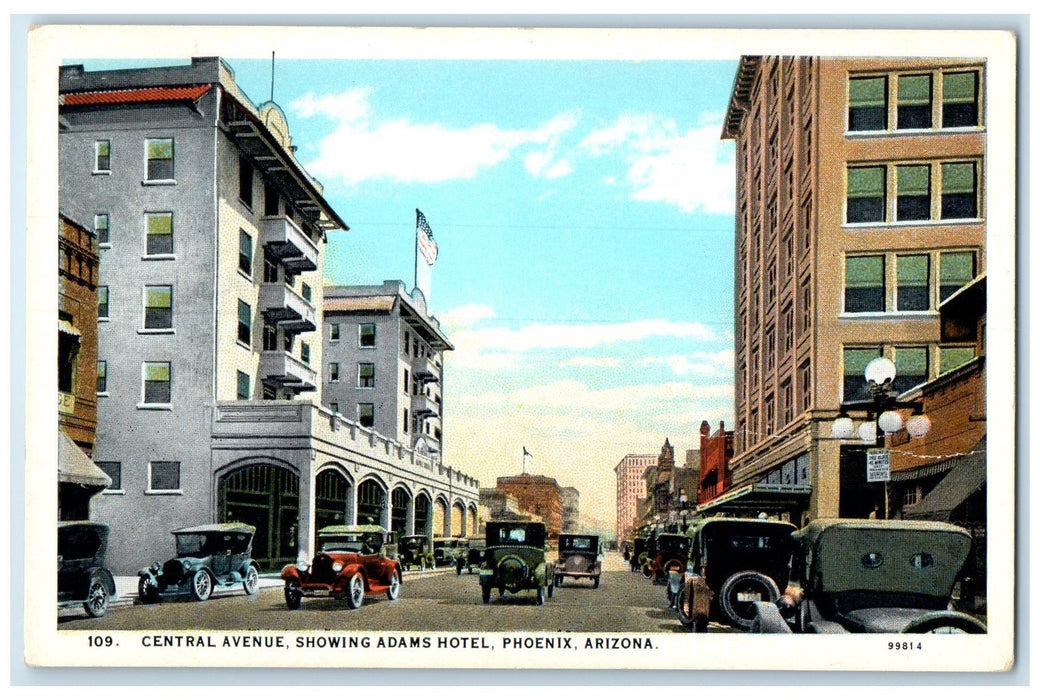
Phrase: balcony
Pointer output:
(283, 306)
(426, 370)
(424, 407)
(285, 242)
(283, 370)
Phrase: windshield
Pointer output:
(585, 544)
(201, 544)
(356, 542)
(76, 543)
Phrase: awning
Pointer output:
(74, 467)
(66, 327)
(762, 497)
(967, 476)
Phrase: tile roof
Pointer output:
(153, 94)
(347, 304)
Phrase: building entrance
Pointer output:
(330, 499)
(268, 498)
(859, 498)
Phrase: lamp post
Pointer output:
(882, 409)
(683, 506)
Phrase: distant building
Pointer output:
(539, 495)
(569, 498)
(500, 505)
(715, 453)
(631, 490)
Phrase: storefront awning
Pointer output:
(966, 476)
(74, 467)
(762, 497)
(67, 328)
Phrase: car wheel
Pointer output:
(251, 583)
(394, 591)
(669, 598)
(293, 596)
(647, 571)
(146, 592)
(682, 612)
(96, 604)
(540, 595)
(944, 623)
(700, 625)
(485, 593)
(458, 569)
(740, 592)
(201, 585)
(550, 591)
(355, 591)
(595, 582)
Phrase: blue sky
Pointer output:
(584, 216)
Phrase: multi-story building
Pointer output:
(569, 518)
(211, 240)
(860, 208)
(715, 453)
(631, 490)
(538, 495)
(384, 363)
(80, 376)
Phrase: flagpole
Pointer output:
(416, 236)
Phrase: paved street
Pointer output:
(430, 601)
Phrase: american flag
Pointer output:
(424, 238)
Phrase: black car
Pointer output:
(82, 576)
(514, 560)
(209, 557)
(578, 558)
(473, 557)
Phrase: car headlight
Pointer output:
(337, 567)
(303, 566)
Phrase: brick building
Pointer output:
(716, 453)
(538, 495)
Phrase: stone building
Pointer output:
(631, 491)
(538, 495)
(861, 207)
(210, 298)
(569, 518)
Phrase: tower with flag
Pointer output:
(425, 255)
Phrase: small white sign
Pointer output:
(878, 464)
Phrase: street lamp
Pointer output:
(682, 506)
(882, 409)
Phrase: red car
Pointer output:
(352, 562)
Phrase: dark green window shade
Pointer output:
(960, 99)
(953, 357)
(158, 312)
(867, 104)
(245, 322)
(866, 194)
(245, 253)
(855, 361)
(959, 200)
(160, 234)
(912, 282)
(157, 382)
(911, 368)
(955, 271)
(914, 99)
(913, 193)
(864, 284)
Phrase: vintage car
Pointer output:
(641, 548)
(472, 559)
(82, 576)
(209, 558)
(672, 552)
(514, 560)
(415, 550)
(446, 550)
(873, 576)
(352, 561)
(578, 558)
(733, 563)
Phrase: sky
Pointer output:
(583, 212)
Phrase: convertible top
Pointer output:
(351, 529)
(238, 528)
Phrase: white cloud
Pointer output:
(691, 169)
(593, 362)
(699, 363)
(572, 394)
(362, 147)
(555, 336)
(466, 315)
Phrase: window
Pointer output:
(245, 253)
(866, 195)
(955, 271)
(305, 292)
(855, 360)
(305, 353)
(959, 191)
(914, 102)
(102, 156)
(913, 193)
(160, 159)
(158, 307)
(245, 323)
(164, 476)
(245, 182)
(334, 372)
(864, 283)
(367, 335)
(159, 233)
(102, 377)
(960, 100)
(102, 306)
(270, 270)
(243, 386)
(270, 337)
(157, 382)
(912, 283)
(868, 98)
(101, 229)
(406, 380)
(270, 200)
(405, 430)
(805, 384)
(114, 470)
(334, 407)
(366, 415)
(366, 374)
(911, 368)
(952, 357)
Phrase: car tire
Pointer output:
(539, 595)
(550, 591)
(948, 623)
(201, 585)
(355, 593)
(742, 613)
(393, 592)
(458, 569)
(700, 625)
(686, 621)
(146, 592)
(647, 571)
(251, 583)
(485, 593)
(293, 596)
(96, 604)
(595, 582)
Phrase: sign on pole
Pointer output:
(878, 465)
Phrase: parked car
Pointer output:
(82, 576)
(352, 562)
(671, 555)
(874, 576)
(208, 558)
(514, 560)
(446, 550)
(641, 547)
(415, 550)
(578, 558)
(733, 563)
(473, 557)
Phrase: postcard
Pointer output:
(520, 348)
